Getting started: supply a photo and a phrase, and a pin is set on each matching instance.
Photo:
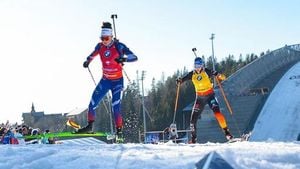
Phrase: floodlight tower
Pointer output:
(213, 55)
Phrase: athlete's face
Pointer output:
(106, 40)
(198, 68)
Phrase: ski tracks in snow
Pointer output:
(27, 157)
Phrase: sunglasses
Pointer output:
(104, 38)
(198, 65)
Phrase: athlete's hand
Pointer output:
(215, 73)
(120, 60)
(221, 77)
(86, 64)
(179, 81)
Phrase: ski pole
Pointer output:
(92, 76)
(176, 102)
(113, 16)
(223, 94)
(227, 103)
(127, 77)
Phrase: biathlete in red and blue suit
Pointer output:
(111, 54)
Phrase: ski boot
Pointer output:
(119, 136)
(193, 140)
(227, 134)
(193, 134)
(86, 129)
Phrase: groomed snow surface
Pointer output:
(254, 155)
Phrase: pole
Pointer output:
(113, 16)
(228, 105)
(143, 103)
(213, 55)
(176, 102)
(225, 98)
(92, 76)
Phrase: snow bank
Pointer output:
(258, 155)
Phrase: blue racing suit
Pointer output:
(112, 78)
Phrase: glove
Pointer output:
(86, 64)
(215, 73)
(120, 60)
(179, 81)
(221, 77)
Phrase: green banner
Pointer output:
(67, 134)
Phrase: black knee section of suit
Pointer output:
(215, 108)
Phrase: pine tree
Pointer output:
(130, 105)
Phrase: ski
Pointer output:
(109, 136)
(244, 137)
(76, 126)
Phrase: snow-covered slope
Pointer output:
(280, 117)
(240, 155)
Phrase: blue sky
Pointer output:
(44, 42)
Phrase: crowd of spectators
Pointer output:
(16, 134)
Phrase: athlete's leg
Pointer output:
(197, 109)
(214, 105)
(117, 88)
(99, 92)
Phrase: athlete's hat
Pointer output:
(198, 62)
(106, 29)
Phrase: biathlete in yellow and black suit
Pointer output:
(200, 77)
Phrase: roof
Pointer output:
(76, 111)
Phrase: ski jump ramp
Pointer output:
(280, 116)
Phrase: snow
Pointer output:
(260, 155)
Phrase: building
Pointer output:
(38, 119)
